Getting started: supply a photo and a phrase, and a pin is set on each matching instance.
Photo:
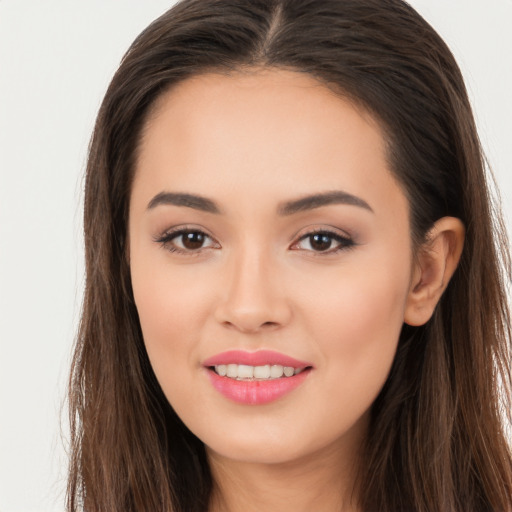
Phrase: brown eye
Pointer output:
(187, 241)
(320, 241)
(324, 242)
(192, 240)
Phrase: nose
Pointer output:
(253, 298)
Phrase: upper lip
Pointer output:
(258, 358)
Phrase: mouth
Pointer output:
(256, 373)
(256, 378)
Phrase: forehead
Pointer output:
(291, 92)
(281, 84)
(266, 132)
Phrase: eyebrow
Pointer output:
(287, 208)
(180, 199)
(322, 199)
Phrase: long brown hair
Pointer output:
(437, 439)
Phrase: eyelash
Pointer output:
(345, 242)
(166, 239)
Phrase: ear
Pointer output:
(435, 264)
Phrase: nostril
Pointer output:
(248, 327)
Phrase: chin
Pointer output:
(256, 452)
(273, 446)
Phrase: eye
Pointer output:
(323, 241)
(187, 241)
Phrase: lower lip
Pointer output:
(256, 392)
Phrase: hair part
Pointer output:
(437, 437)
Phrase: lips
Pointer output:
(260, 358)
(255, 378)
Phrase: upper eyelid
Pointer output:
(330, 230)
(169, 235)
(344, 240)
(297, 236)
(171, 232)
(340, 238)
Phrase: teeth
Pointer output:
(262, 372)
(232, 371)
(288, 371)
(246, 372)
(276, 371)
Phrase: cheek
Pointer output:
(366, 314)
(356, 326)
(172, 305)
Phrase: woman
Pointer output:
(295, 294)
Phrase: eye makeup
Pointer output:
(191, 241)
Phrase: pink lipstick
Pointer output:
(255, 378)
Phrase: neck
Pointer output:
(320, 481)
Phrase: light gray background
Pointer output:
(56, 59)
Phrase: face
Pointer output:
(271, 262)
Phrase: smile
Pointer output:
(255, 378)
(246, 372)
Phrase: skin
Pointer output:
(251, 141)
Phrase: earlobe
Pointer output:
(436, 262)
